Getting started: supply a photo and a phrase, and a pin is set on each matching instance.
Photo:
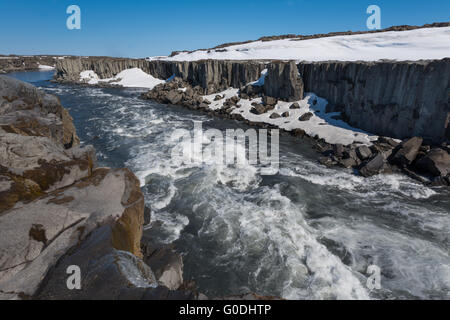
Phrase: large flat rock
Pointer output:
(36, 234)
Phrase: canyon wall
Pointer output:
(397, 99)
(25, 63)
(389, 98)
(211, 75)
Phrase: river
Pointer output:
(308, 232)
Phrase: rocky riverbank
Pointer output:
(427, 163)
(58, 209)
(14, 63)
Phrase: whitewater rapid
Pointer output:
(309, 232)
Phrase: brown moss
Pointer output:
(37, 233)
(127, 231)
(12, 129)
(10, 99)
(32, 127)
(21, 190)
(95, 179)
(61, 200)
(51, 172)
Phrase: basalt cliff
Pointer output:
(14, 63)
(388, 98)
(406, 101)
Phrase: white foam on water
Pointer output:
(345, 179)
(172, 224)
(269, 220)
(412, 265)
(266, 236)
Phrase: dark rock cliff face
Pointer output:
(211, 75)
(69, 69)
(388, 98)
(283, 81)
(397, 99)
(21, 63)
(214, 75)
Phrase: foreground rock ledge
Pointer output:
(57, 207)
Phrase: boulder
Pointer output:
(295, 105)
(373, 167)
(105, 271)
(388, 141)
(306, 116)
(347, 162)
(166, 264)
(363, 152)
(351, 153)
(406, 152)
(298, 132)
(338, 150)
(326, 161)
(275, 116)
(259, 109)
(269, 101)
(174, 97)
(435, 163)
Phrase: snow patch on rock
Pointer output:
(130, 78)
(325, 125)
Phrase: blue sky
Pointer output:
(135, 28)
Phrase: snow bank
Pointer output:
(323, 124)
(131, 78)
(426, 43)
(261, 80)
(89, 76)
(44, 67)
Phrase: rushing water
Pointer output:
(309, 232)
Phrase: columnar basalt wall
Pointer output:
(397, 99)
(211, 75)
